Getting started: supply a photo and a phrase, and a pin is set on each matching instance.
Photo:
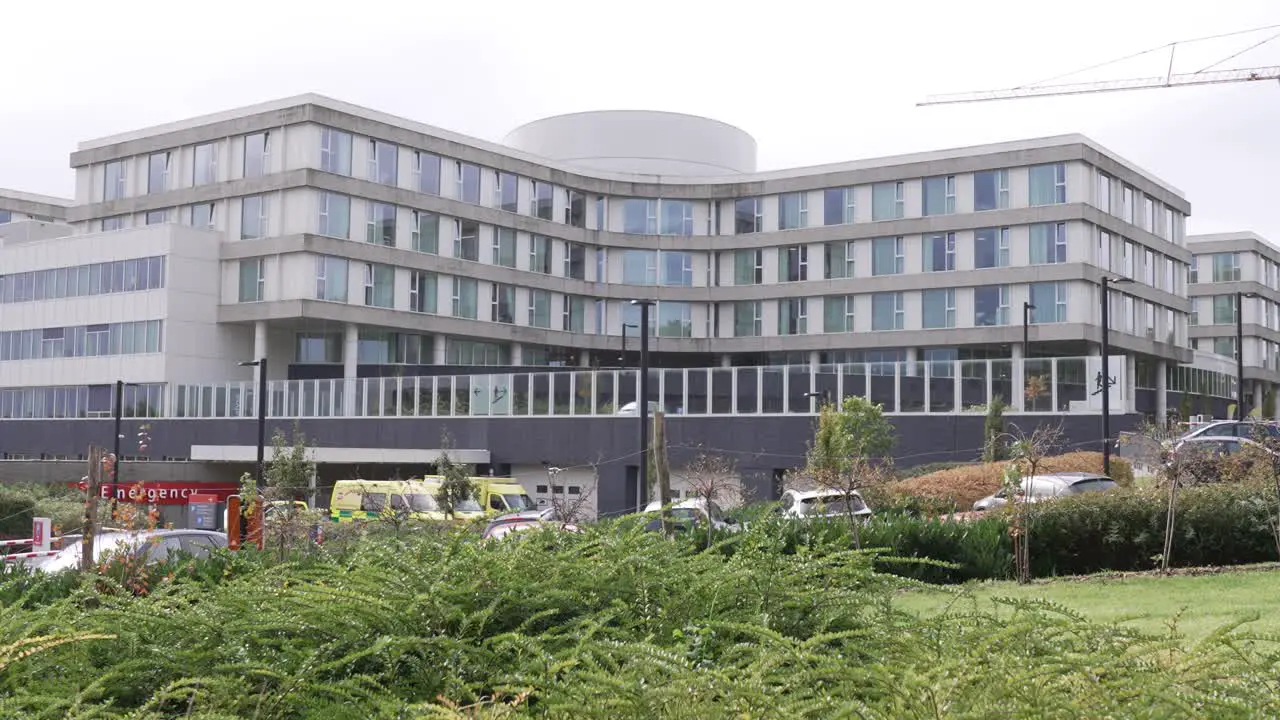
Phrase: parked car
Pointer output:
(505, 525)
(1216, 447)
(152, 546)
(1250, 429)
(688, 513)
(822, 503)
(1038, 488)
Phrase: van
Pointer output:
(499, 495)
(364, 500)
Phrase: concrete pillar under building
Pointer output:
(517, 354)
(1255, 402)
(439, 351)
(815, 359)
(350, 366)
(911, 367)
(726, 361)
(1019, 399)
(1162, 392)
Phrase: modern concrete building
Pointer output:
(400, 273)
(1231, 268)
(27, 216)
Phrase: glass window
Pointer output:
(426, 232)
(990, 248)
(677, 217)
(381, 226)
(507, 191)
(573, 313)
(379, 285)
(1050, 301)
(335, 151)
(382, 162)
(466, 241)
(677, 268)
(331, 278)
(543, 200)
(540, 254)
(887, 256)
(887, 200)
(837, 313)
(939, 197)
(540, 308)
(252, 280)
(748, 216)
(465, 291)
(202, 216)
(746, 318)
(939, 252)
(793, 316)
(1048, 184)
(205, 168)
(748, 267)
(1226, 267)
(335, 215)
(639, 216)
(575, 261)
(793, 210)
(675, 319)
(502, 303)
(640, 267)
(318, 347)
(157, 217)
(886, 311)
(991, 190)
(1225, 346)
(253, 217)
(1048, 243)
(990, 305)
(838, 260)
(504, 247)
(257, 154)
(157, 172)
(575, 210)
(423, 291)
(113, 180)
(939, 308)
(468, 189)
(793, 263)
(1126, 204)
(837, 206)
(1224, 309)
(1104, 192)
(426, 167)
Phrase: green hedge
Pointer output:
(1117, 531)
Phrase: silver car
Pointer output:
(154, 546)
(1044, 487)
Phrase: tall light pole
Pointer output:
(1105, 379)
(643, 400)
(261, 364)
(622, 359)
(1240, 352)
(1026, 324)
(115, 449)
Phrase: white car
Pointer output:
(631, 409)
(153, 546)
(823, 503)
(691, 511)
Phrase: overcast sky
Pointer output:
(814, 82)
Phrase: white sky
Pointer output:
(813, 81)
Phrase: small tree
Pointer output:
(848, 449)
(713, 480)
(288, 474)
(1036, 388)
(993, 446)
(456, 486)
(1028, 453)
(1268, 410)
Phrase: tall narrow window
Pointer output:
(575, 261)
(504, 247)
(543, 200)
(379, 285)
(426, 232)
(990, 248)
(540, 254)
(1050, 301)
(887, 256)
(837, 206)
(1048, 184)
(938, 308)
(113, 180)
(887, 311)
(793, 263)
(990, 305)
(575, 210)
(837, 313)
(157, 172)
(380, 229)
(423, 291)
(1048, 243)
(205, 167)
(252, 279)
(465, 291)
(426, 170)
(887, 200)
(748, 216)
(838, 259)
(991, 190)
(202, 216)
(382, 162)
(503, 303)
(748, 267)
(335, 151)
(677, 217)
(939, 197)
(746, 318)
(331, 278)
(253, 217)
(539, 308)
(466, 241)
(335, 215)
(793, 210)
(939, 252)
(507, 191)
(793, 316)
(257, 154)
(468, 182)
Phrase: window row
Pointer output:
(83, 280)
(386, 347)
(79, 401)
(129, 338)
(1137, 208)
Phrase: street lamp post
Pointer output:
(1105, 382)
(119, 414)
(1240, 413)
(622, 359)
(261, 364)
(643, 400)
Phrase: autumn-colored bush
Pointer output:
(969, 483)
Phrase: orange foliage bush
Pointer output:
(966, 484)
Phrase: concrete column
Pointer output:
(1256, 402)
(584, 358)
(911, 368)
(439, 350)
(517, 354)
(1162, 392)
(1019, 399)
(725, 361)
(260, 342)
(350, 362)
(815, 359)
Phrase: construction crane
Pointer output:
(1204, 76)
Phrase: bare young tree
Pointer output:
(1027, 452)
(571, 508)
(714, 481)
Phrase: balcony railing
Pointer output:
(1048, 385)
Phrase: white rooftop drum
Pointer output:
(639, 141)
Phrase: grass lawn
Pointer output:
(1145, 602)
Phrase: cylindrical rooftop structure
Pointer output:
(639, 141)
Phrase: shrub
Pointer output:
(966, 484)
